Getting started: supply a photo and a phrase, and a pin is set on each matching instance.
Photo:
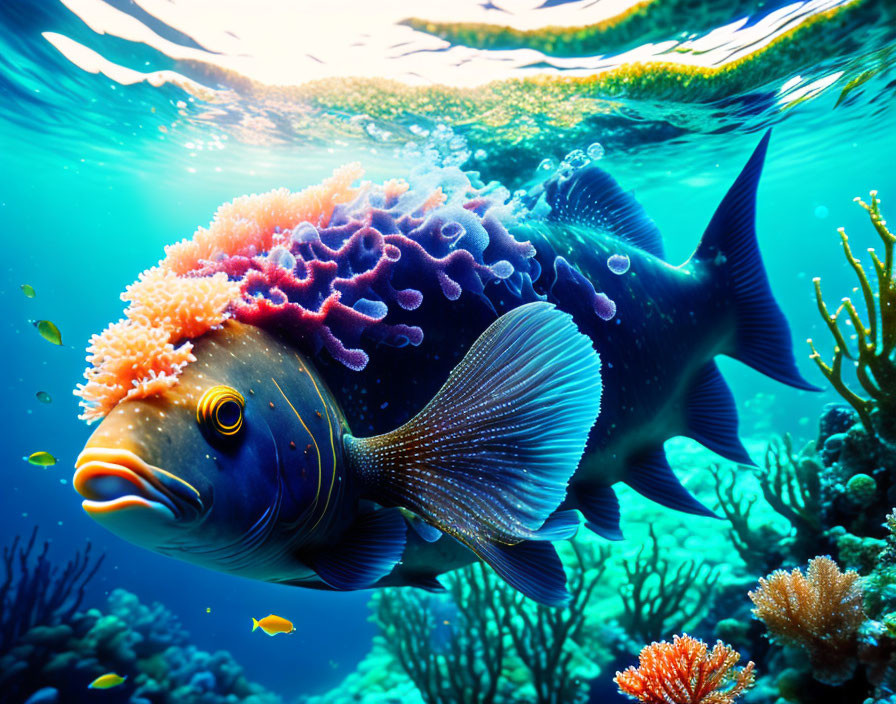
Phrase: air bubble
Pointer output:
(596, 151)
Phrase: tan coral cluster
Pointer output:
(820, 611)
(143, 353)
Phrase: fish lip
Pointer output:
(153, 486)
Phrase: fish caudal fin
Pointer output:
(488, 459)
(254, 624)
(762, 339)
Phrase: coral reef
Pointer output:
(655, 593)
(326, 267)
(791, 486)
(50, 651)
(35, 592)
(487, 642)
(820, 611)
(145, 643)
(684, 672)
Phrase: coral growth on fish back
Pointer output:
(321, 267)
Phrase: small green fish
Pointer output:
(28, 290)
(42, 459)
(107, 681)
(44, 397)
(49, 331)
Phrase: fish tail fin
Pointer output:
(254, 624)
(762, 337)
(488, 459)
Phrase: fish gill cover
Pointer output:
(320, 266)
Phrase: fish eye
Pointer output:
(220, 410)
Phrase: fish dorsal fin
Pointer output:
(711, 415)
(651, 476)
(367, 552)
(532, 568)
(600, 506)
(593, 199)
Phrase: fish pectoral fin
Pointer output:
(600, 506)
(367, 552)
(531, 567)
(488, 459)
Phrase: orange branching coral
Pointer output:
(246, 225)
(128, 360)
(683, 672)
(185, 307)
(136, 357)
(820, 612)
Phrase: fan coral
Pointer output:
(324, 267)
(683, 672)
(876, 340)
(820, 612)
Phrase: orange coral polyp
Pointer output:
(683, 672)
(246, 225)
(139, 356)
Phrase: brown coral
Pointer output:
(683, 672)
(820, 612)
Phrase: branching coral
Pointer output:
(38, 593)
(820, 612)
(657, 594)
(459, 650)
(875, 343)
(791, 486)
(685, 672)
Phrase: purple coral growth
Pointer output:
(337, 287)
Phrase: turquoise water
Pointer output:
(91, 190)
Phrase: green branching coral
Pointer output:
(660, 598)
(791, 486)
(873, 351)
(463, 648)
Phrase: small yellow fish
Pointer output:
(43, 397)
(28, 290)
(49, 331)
(42, 459)
(208, 609)
(107, 681)
(272, 625)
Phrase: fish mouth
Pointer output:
(112, 479)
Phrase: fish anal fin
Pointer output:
(428, 583)
(600, 507)
(531, 567)
(368, 551)
(711, 415)
(651, 476)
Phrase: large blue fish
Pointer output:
(251, 465)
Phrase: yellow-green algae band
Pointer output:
(517, 121)
(644, 21)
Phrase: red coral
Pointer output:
(683, 672)
(820, 611)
